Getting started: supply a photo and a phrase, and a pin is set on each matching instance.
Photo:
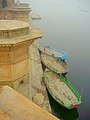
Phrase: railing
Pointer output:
(21, 5)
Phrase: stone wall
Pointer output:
(9, 3)
(13, 64)
(5, 14)
(14, 15)
(21, 15)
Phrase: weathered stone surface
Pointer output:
(29, 38)
(4, 115)
(12, 28)
(1, 88)
(38, 98)
(20, 108)
(36, 84)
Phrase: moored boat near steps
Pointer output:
(53, 64)
(59, 54)
(59, 111)
(61, 90)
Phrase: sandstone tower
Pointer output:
(15, 38)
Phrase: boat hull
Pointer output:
(62, 90)
(60, 111)
(53, 64)
(59, 54)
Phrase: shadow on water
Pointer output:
(60, 112)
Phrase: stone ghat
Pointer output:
(34, 89)
(14, 106)
(38, 92)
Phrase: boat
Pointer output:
(54, 64)
(59, 54)
(61, 90)
(61, 112)
(35, 16)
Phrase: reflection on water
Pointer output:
(61, 112)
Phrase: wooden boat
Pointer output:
(55, 52)
(61, 90)
(61, 112)
(35, 16)
(53, 64)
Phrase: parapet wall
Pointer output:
(20, 108)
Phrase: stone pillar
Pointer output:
(15, 38)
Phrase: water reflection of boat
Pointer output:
(55, 52)
(53, 64)
(61, 112)
(62, 90)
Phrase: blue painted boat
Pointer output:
(55, 52)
